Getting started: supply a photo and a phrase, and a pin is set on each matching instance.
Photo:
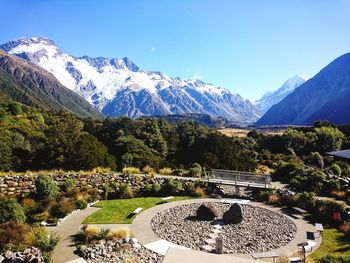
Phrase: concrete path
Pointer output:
(142, 230)
(65, 249)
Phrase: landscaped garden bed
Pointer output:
(260, 230)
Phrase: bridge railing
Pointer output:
(237, 177)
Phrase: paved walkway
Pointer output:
(65, 249)
(142, 230)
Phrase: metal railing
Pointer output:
(239, 177)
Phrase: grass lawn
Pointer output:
(333, 243)
(118, 211)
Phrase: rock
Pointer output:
(207, 212)
(8, 254)
(234, 215)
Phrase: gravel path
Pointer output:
(261, 229)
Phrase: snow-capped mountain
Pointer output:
(119, 87)
(273, 97)
(323, 97)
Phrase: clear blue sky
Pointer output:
(248, 46)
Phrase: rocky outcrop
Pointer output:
(234, 215)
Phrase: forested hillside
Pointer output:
(34, 139)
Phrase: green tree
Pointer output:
(328, 139)
(11, 210)
(62, 138)
(90, 153)
(46, 187)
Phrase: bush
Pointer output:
(199, 192)
(336, 170)
(195, 170)
(120, 233)
(166, 171)
(156, 187)
(273, 199)
(306, 200)
(68, 185)
(62, 208)
(189, 188)
(345, 228)
(12, 235)
(148, 170)
(131, 170)
(39, 217)
(28, 203)
(80, 204)
(41, 238)
(341, 195)
(172, 187)
(124, 191)
(91, 233)
(46, 187)
(11, 210)
(178, 172)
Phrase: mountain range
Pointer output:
(273, 97)
(119, 87)
(324, 97)
(29, 84)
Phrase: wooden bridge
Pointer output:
(238, 178)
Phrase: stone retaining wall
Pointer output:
(23, 184)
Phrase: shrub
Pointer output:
(11, 210)
(306, 200)
(172, 186)
(12, 235)
(345, 228)
(41, 238)
(42, 216)
(68, 185)
(80, 204)
(62, 208)
(91, 233)
(93, 195)
(46, 187)
(148, 170)
(199, 192)
(124, 191)
(156, 187)
(166, 171)
(339, 194)
(189, 188)
(273, 199)
(195, 170)
(120, 233)
(104, 233)
(335, 168)
(28, 203)
(101, 170)
(131, 170)
(178, 172)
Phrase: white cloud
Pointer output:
(153, 49)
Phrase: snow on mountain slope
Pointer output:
(118, 87)
(273, 97)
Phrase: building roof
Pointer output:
(341, 154)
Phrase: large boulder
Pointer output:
(233, 215)
(207, 212)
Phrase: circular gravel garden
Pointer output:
(260, 230)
